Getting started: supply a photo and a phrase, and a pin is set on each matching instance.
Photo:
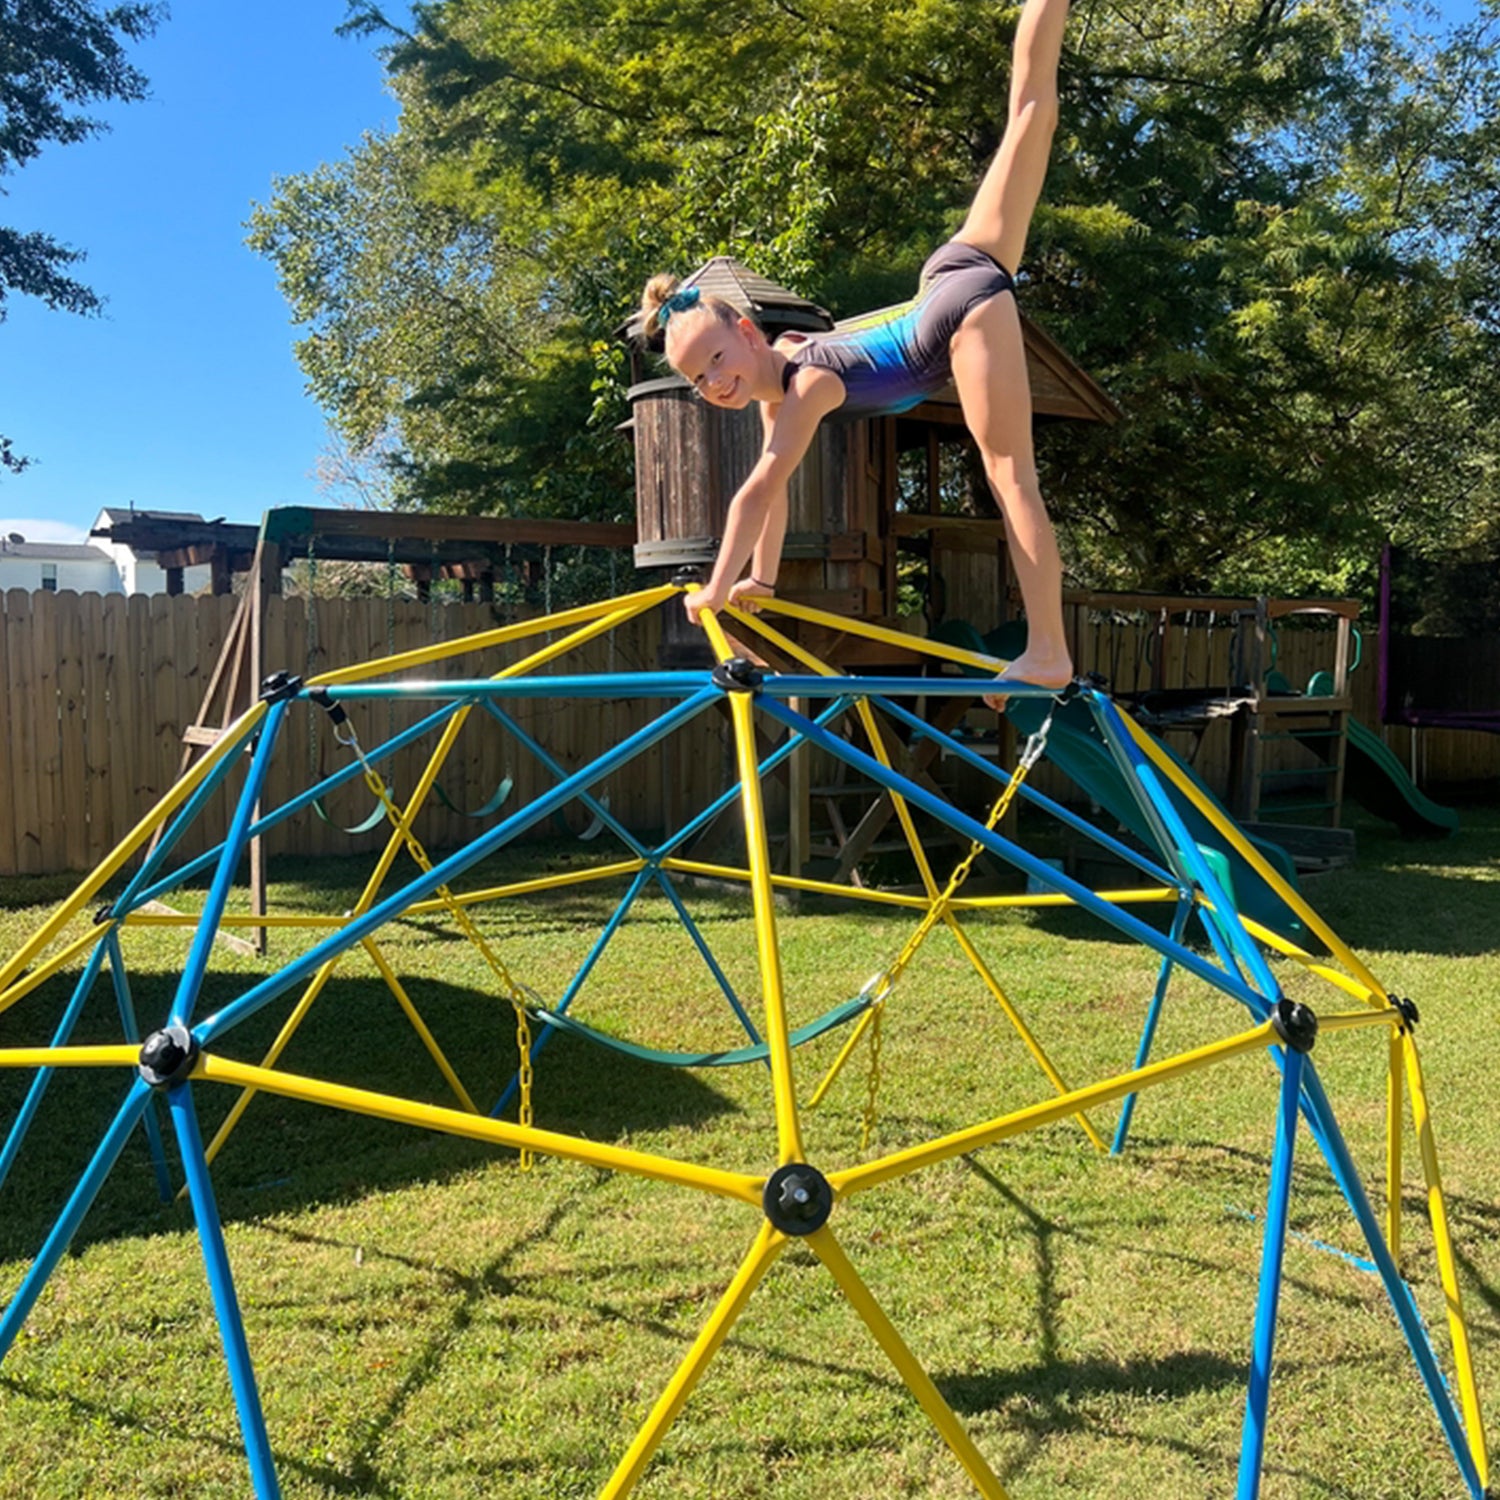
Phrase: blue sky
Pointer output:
(184, 395)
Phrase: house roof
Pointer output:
(54, 551)
(115, 515)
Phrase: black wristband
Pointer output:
(760, 583)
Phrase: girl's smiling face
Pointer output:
(717, 359)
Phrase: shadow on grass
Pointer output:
(283, 1154)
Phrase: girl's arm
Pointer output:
(757, 517)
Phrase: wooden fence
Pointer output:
(97, 690)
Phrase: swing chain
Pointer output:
(879, 987)
(519, 996)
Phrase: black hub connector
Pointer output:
(1410, 1015)
(738, 675)
(797, 1199)
(103, 915)
(1295, 1024)
(688, 577)
(168, 1055)
(280, 685)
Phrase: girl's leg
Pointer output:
(989, 369)
(1000, 215)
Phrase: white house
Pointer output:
(99, 567)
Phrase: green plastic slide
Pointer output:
(1378, 781)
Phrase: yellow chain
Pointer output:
(518, 995)
(882, 985)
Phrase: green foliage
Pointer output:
(57, 56)
(1269, 231)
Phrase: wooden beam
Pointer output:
(915, 523)
(293, 525)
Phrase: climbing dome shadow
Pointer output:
(773, 715)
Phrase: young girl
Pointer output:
(962, 325)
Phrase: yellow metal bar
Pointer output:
(625, 605)
(887, 1169)
(1437, 1210)
(229, 919)
(59, 960)
(768, 949)
(831, 1253)
(763, 1253)
(215, 1069)
(1248, 852)
(419, 1025)
(795, 883)
(1375, 996)
(1133, 897)
(119, 1055)
(530, 887)
(1395, 1096)
(288, 1030)
(872, 731)
(1355, 1020)
(845, 1053)
(1015, 1018)
(898, 802)
(227, 744)
(923, 647)
(762, 894)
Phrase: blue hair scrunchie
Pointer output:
(679, 301)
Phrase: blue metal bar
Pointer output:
(787, 685)
(552, 764)
(235, 843)
(221, 1286)
(1272, 1258)
(56, 1246)
(179, 825)
(1031, 795)
(352, 772)
(1180, 920)
(668, 886)
(428, 881)
(674, 685)
(132, 1033)
(1222, 924)
(38, 1089)
(1320, 1118)
(583, 685)
(1028, 864)
(774, 759)
(577, 982)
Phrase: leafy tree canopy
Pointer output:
(57, 57)
(1270, 231)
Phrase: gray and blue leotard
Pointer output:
(892, 360)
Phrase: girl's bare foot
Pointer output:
(1035, 670)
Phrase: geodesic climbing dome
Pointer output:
(773, 714)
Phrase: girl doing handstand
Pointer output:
(963, 325)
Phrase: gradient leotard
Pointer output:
(894, 359)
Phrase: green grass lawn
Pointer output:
(428, 1320)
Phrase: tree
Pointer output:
(56, 58)
(1265, 230)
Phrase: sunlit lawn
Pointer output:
(426, 1319)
